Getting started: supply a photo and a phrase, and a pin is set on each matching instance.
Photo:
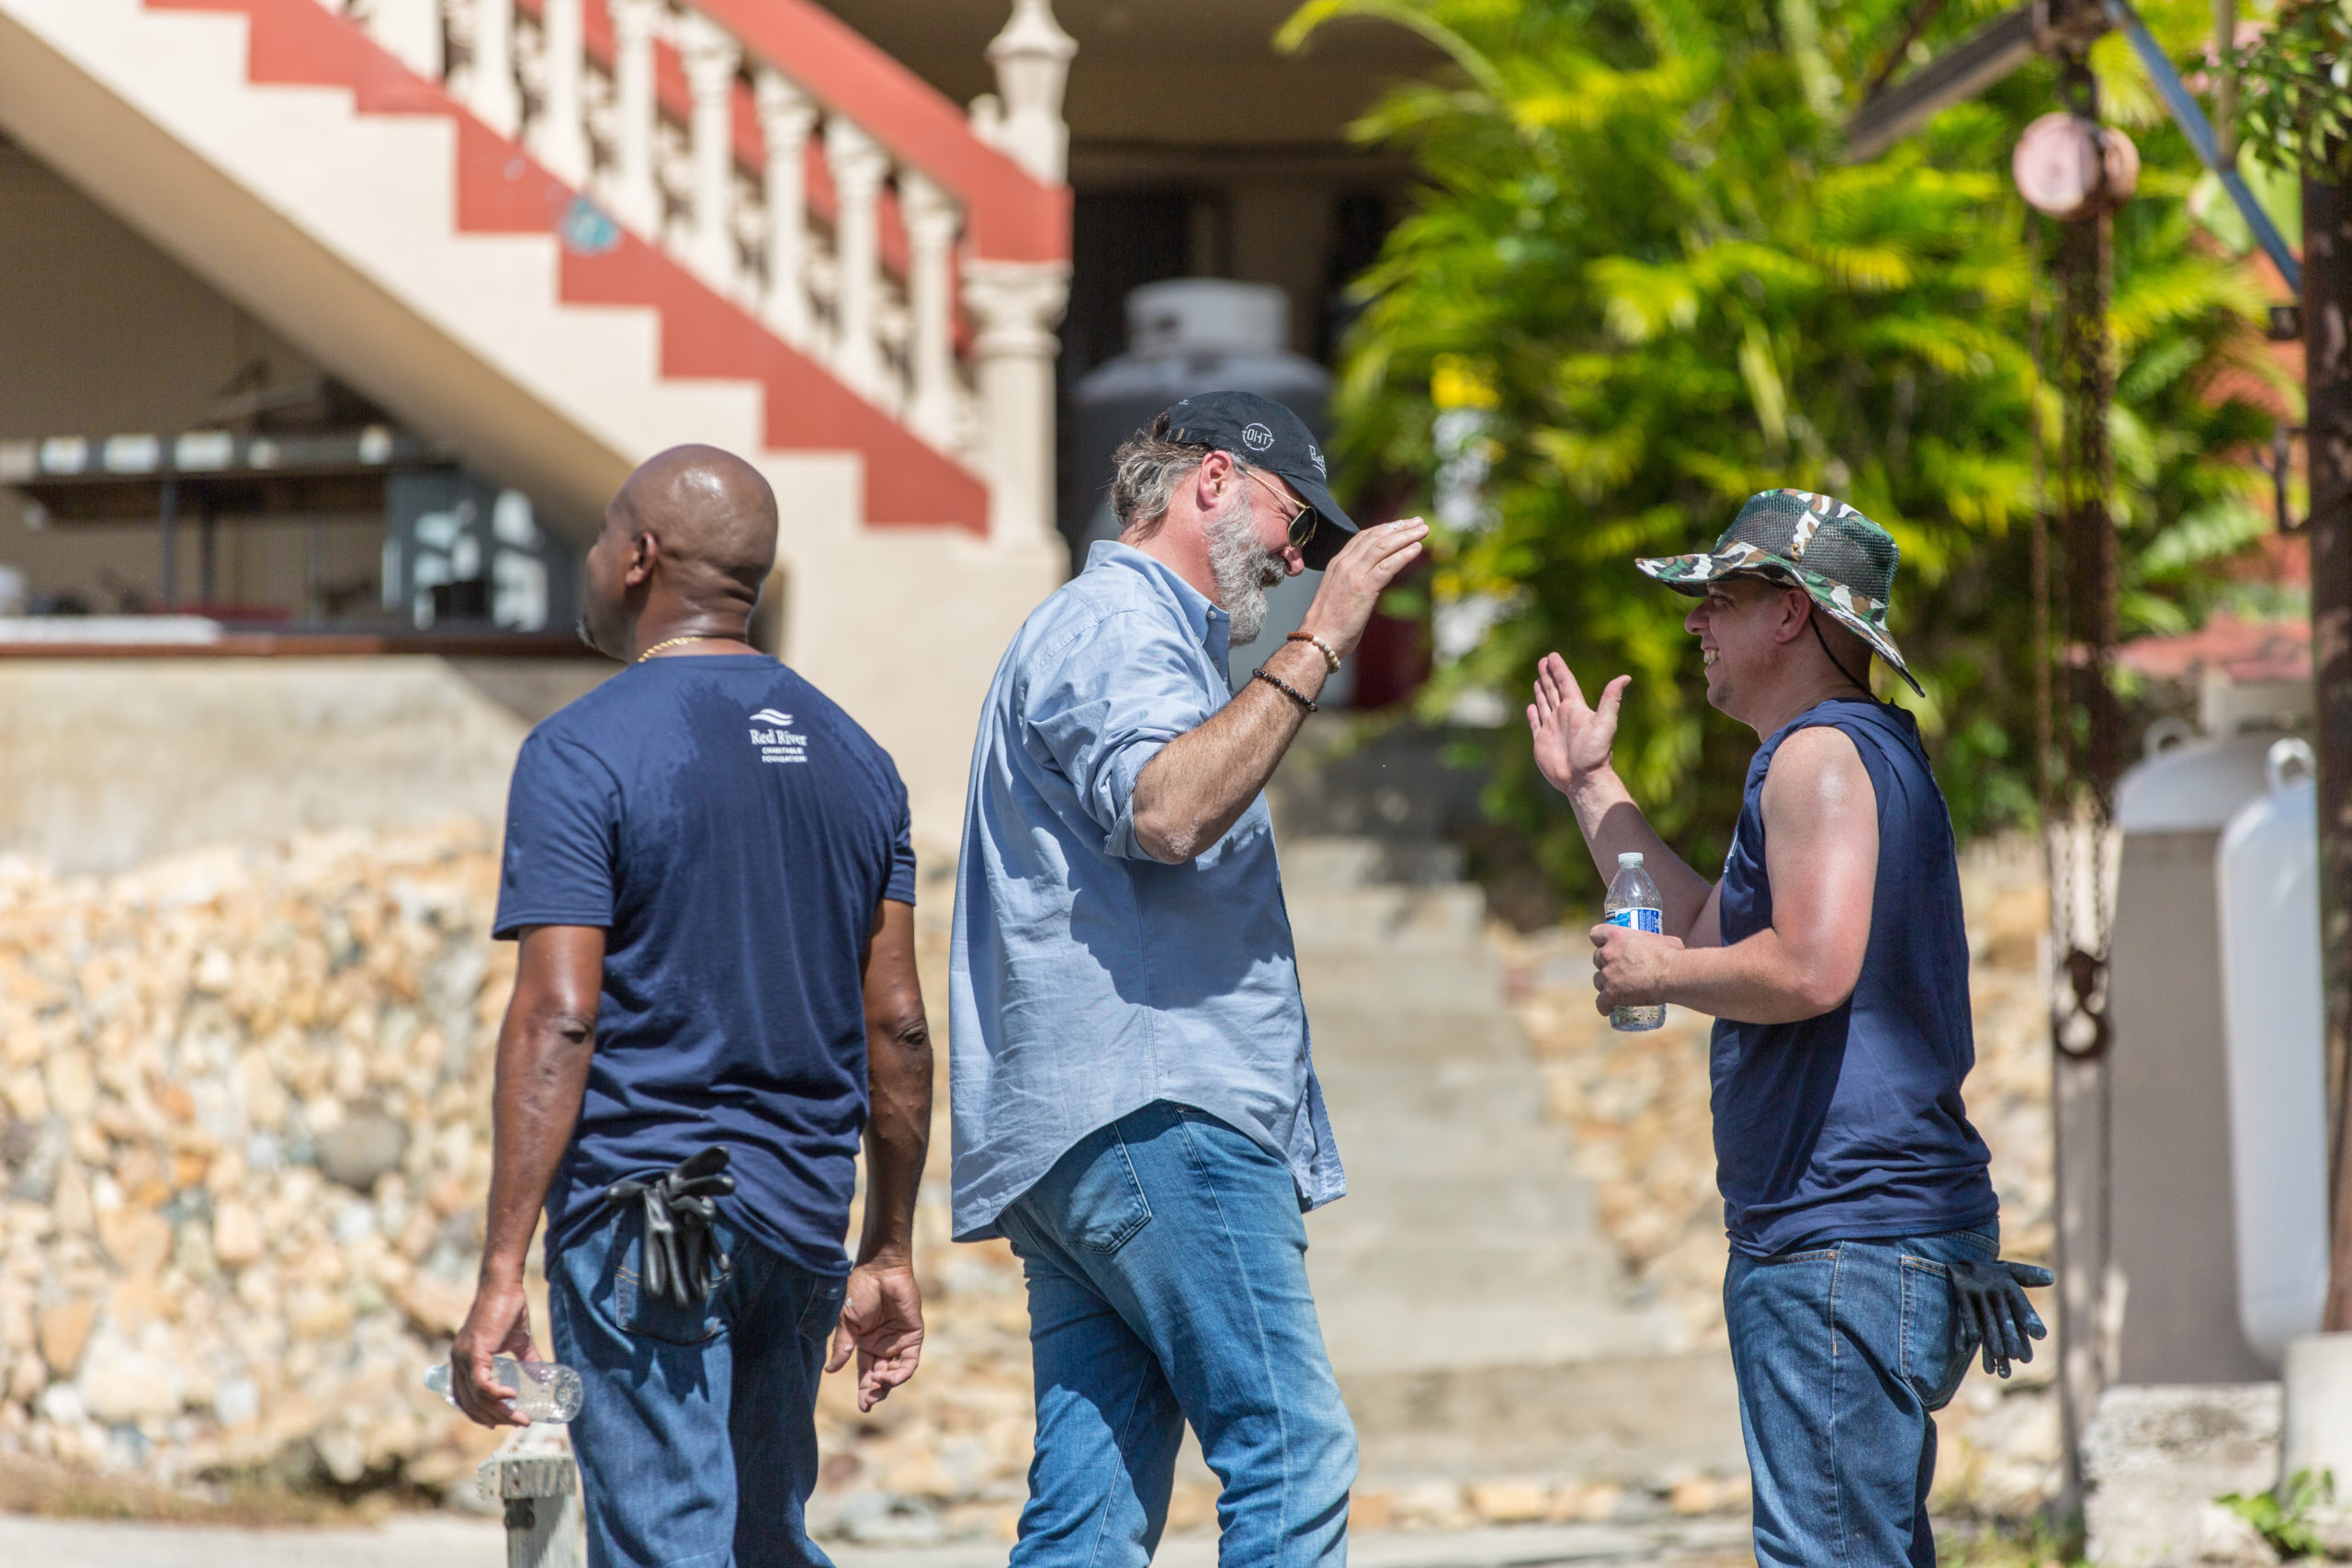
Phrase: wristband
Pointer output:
(1321, 647)
(1285, 687)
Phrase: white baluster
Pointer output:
(1032, 57)
(497, 100)
(457, 48)
(859, 166)
(563, 130)
(1017, 306)
(932, 219)
(411, 31)
(712, 58)
(786, 117)
(636, 196)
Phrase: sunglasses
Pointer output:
(1301, 522)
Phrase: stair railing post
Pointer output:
(932, 219)
(635, 196)
(1017, 306)
(563, 130)
(859, 166)
(411, 31)
(1032, 57)
(712, 58)
(536, 1481)
(786, 117)
(497, 98)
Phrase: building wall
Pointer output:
(102, 332)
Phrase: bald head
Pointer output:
(713, 512)
(686, 547)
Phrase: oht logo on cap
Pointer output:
(1257, 437)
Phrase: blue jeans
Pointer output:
(1843, 1352)
(1167, 1267)
(689, 1411)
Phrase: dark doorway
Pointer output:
(1120, 240)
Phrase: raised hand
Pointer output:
(882, 1321)
(1356, 579)
(1572, 740)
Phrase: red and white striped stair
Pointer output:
(559, 236)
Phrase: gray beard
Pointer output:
(1241, 569)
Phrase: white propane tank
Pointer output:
(2267, 875)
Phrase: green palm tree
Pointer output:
(1636, 258)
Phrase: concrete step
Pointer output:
(1400, 1036)
(1388, 1144)
(1402, 978)
(1467, 1239)
(1319, 865)
(1621, 1414)
(1465, 1207)
(1450, 915)
(1480, 1323)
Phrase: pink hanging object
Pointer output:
(2068, 166)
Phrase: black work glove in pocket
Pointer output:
(1990, 1311)
(680, 1205)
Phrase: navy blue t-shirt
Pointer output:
(733, 831)
(1850, 1125)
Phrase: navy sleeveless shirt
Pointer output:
(1850, 1125)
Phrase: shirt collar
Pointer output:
(1199, 613)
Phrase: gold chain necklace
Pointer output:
(674, 641)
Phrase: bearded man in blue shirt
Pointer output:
(1135, 1107)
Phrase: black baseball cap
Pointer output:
(1265, 435)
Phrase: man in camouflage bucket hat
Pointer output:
(1833, 958)
(1845, 561)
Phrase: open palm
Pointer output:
(1572, 738)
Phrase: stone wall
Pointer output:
(245, 1136)
(244, 1141)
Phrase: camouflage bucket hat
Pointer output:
(1813, 542)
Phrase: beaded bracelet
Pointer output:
(1285, 687)
(1321, 647)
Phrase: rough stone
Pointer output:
(436, 1305)
(360, 1150)
(138, 1240)
(2156, 1457)
(63, 1332)
(1509, 1502)
(73, 1088)
(121, 1382)
(236, 1235)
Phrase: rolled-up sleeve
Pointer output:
(1101, 706)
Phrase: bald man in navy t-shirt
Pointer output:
(708, 868)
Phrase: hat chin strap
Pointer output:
(1814, 620)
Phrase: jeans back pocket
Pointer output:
(1933, 1362)
(1106, 1203)
(639, 1312)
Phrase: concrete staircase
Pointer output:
(603, 227)
(1476, 1315)
(1466, 1239)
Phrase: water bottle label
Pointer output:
(1638, 920)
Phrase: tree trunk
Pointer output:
(2328, 374)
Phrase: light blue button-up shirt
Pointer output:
(1087, 979)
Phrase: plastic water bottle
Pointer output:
(1632, 903)
(545, 1391)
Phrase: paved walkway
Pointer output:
(432, 1541)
